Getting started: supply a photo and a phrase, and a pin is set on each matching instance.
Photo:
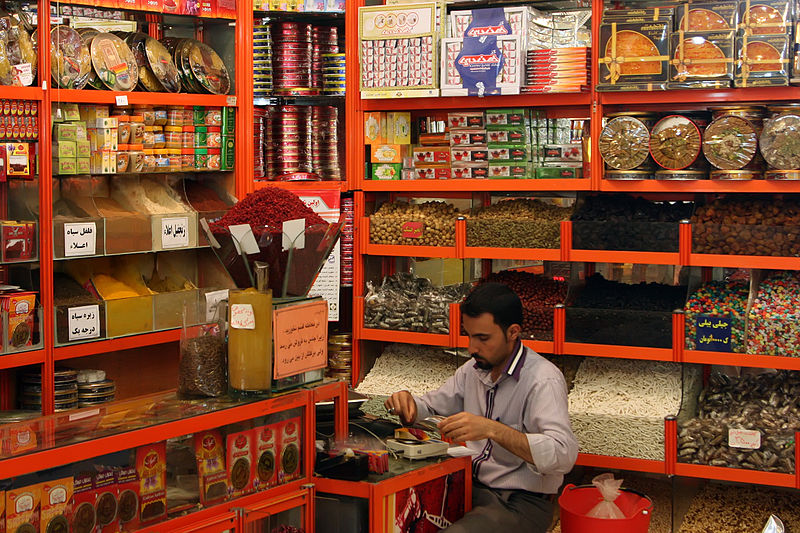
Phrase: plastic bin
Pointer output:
(575, 502)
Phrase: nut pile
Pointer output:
(405, 303)
(747, 226)
(767, 403)
(774, 317)
(539, 296)
(610, 312)
(417, 369)
(517, 223)
(620, 222)
(389, 223)
(727, 509)
(719, 298)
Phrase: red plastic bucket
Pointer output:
(575, 502)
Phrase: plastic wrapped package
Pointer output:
(701, 60)
(208, 68)
(763, 61)
(624, 143)
(780, 142)
(675, 142)
(707, 16)
(730, 142)
(114, 62)
(87, 34)
(766, 17)
(634, 55)
(70, 61)
(202, 370)
(156, 68)
(18, 57)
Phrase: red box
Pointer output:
(55, 506)
(209, 453)
(22, 507)
(156, 6)
(207, 8)
(128, 4)
(21, 309)
(290, 461)
(106, 504)
(128, 490)
(225, 9)
(265, 439)
(84, 515)
(151, 467)
(18, 240)
(241, 463)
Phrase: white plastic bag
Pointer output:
(609, 489)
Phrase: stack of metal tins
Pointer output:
(348, 233)
(290, 136)
(260, 143)
(324, 148)
(262, 61)
(333, 74)
(340, 356)
(325, 41)
(96, 392)
(65, 389)
(291, 67)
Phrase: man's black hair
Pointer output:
(497, 300)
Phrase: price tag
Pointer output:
(175, 232)
(744, 438)
(213, 299)
(80, 238)
(122, 99)
(230, 101)
(83, 322)
(242, 316)
(713, 333)
(412, 230)
(84, 414)
(243, 239)
(294, 235)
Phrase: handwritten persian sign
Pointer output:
(175, 232)
(80, 238)
(713, 333)
(83, 322)
(301, 338)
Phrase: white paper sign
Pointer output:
(213, 299)
(243, 238)
(122, 99)
(23, 73)
(83, 322)
(175, 232)
(242, 316)
(744, 438)
(80, 238)
(230, 101)
(294, 234)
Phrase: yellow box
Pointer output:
(91, 112)
(103, 139)
(387, 153)
(375, 128)
(64, 132)
(65, 149)
(104, 162)
(64, 165)
(398, 127)
(83, 165)
(83, 148)
(70, 112)
(80, 131)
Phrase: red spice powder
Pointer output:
(203, 198)
(269, 206)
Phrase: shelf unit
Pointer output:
(595, 105)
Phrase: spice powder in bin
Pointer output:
(635, 55)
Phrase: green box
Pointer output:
(83, 148)
(228, 120)
(228, 153)
(509, 170)
(83, 165)
(553, 173)
(65, 165)
(64, 132)
(506, 117)
(65, 149)
(386, 171)
(502, 152)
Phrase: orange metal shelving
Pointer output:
(134, 98)
(72, 351)
(758, 95)
(476, 102)
(700, 186)
(478, 185)
(13, 360)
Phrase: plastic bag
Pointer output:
(774, 525)
(202, 370)
(609, 489)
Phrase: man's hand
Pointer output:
(465, 426)
(403, 405)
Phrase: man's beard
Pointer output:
(482, 363)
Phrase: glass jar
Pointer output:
(123, 161)
(188, 115)
(187, 159)
(137, 129)
(149, 160)
(161, 160)
(149, 139)
(175, 115)
(199, 115)
(214, 159)
(187, 137)
(214, 116)
(159, 139)
(250, 341)
(173, 135)
(200, 136)
(147, 113)
(201, 158)
(136, 154)
(174, 159)
(160, 116)
(123, 129)
(214, 137)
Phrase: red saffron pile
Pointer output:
(269, 206)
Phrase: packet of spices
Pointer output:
(265, 443)
(241, 466)
(56, 501)
(105, 486)
(22, 509)
(128, 499)
(211, 473)
(289, 461)
(19, 438)
(151, 467)
(21, 308)
(84, 516)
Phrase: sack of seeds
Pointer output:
(609, 489)
(203, 367)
